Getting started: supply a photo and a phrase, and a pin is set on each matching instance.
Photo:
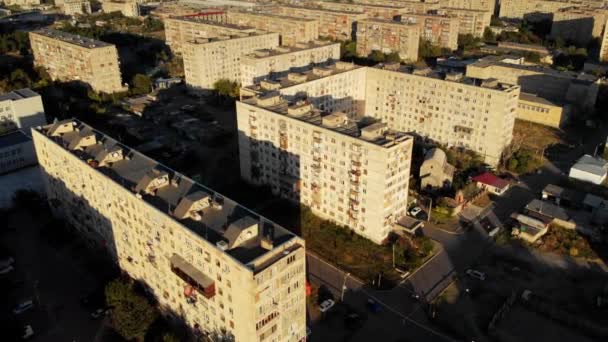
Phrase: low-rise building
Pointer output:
(16, 151)
(278, 62)
(291, 29)
(589, 169)
(21, 109)
(509, 48)
(207, 60)
(437, 29)
(471, 21)
(542, 111)
(492, 183)
(180, 30)
(128, 8)
(435, 171)
(388, 36)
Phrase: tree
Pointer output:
(468, 41)
(132, 315)
(489, 36)
(19, 79)
(153, 25)
(226, 88)
(141, 83)
(348, 50)
(393, 57)
(426, 49)
(377, 56)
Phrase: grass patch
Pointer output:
(567, 242)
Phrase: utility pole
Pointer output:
(428, 219)
(393, 255)
(344, 286)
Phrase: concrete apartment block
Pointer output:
(16, 152)
(603, 57)
(22, 3)
(471, 21)
(437, 29)
(69, 57)
(128, 8)
(184, 29)
(209, 60)
(209, 262)
(578, 25)
(278, 62)
(517, 9)
(386, 11)
(21, 109)
(542, 111)
(353, 175)
(291, 29)
(74, 7)
(388, 36)
(334, 24)
(479, 5)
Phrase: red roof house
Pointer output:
(492, 183)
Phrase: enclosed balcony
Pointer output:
(192, 276)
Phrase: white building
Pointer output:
(21, 109)
(16, 152)
(589, 169)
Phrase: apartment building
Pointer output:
(471, 21)
(388, 12)
(128, 8)
(517, 9)
(69, 57)
(388, 36)
(210, 263)
(542, 111)
(291, 29)
(21, 109)
(603, 57)
(22, 3)
(74, 7)
(209, 60)
(578, 25)
(354, 175)
(409, 6)
(184, 29)
(16, 152)
(334, 24)
(278, 62)
(579, 89)
(437, 29)
(478, 5)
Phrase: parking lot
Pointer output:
(54, 273)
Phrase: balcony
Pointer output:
(192, 276)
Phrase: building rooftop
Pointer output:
(388, 22)
(547, 209)
(328, 10)
(18, 95)
(491, 179)
(540, 100)
(283, 50)
(196, 207)
(229, 37)
(591, 164)
(572, 196)
(202, 20)
(321, 3)
(13, 138)
(72, 38)
(270, 15)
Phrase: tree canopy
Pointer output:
(226, 88)
(132, 315)
(141, 84)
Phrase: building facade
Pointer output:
(209, 60)
(69, 57)
(291, 29)
(578, 25)
(603, 57)
(471, 21)
(74, 7)
(387, 12)
(16, 151)
(488, 6)
(180, 30)
(22, 3)
(278, 62)
(435, 171)
(21, 109)
(437, 29)
(517, 9)
(388, 36)
(356, 177)
(209, 262)
(128, 8)
(542, 111)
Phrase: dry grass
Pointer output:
(535, 136)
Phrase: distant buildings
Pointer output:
(69, 57)
(385, 11)
(479, 5)
(208, 261)
(207, 60)
(22, 3)
(291, 29)
(589, 169)
(21, 109)
(435, 171)
(73, 7)
(128, 8)
(16, 151)
(278, 62)
(180, 30)
(437, 29)
(388, 36)
(578, 25)
(471, 21)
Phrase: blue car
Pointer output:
(373, 306)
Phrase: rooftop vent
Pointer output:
(373, 131)
(296, 77)
(321, 72)
(268, 100)
(335, 120)
(299, 108)
(222, 245)
(490, 83)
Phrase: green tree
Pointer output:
(132, 315)
(426, 49)
(19, 79)
(393, 57)
(153, 25)
(142, 84)
(377, 56)
(489, 36)
(226, 88)
(348, 50)
(468, 41)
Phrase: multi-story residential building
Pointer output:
(479, 5)
(210, 262)
(16, 152)
(334, 24)
(292, 29)
(471, 21)
(73, 7)
(579, 89)
(542, 111)
(353, 175)
(21, 109)
(69, 57)
(603, 57)
(517, 9)
(437, 29)
(578, 25)
(173, 9)
(278, 62)
(209, 60)
(371, 10)
(22, 3)
(128, 8)
(388, 36)
(184, 29)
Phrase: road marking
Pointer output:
(423, 265)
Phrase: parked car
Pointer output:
(99, 313)
(476, 274)
(415, 211)
(7, 269)
(28, 332)
(373, 306)
(326, 305)
(23, 307)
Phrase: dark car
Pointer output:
(373, 306)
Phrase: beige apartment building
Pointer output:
(184, 29)
(21, 109)
(579, 25)
(278, 62)
(210, 263)
(128, 8)
(471, 21)
(334, 24)
(74, 7)
(22, 3)
(603, 57)
(291, 29)
(437, 29)
(518, 9)
(355, 176)
(479, 5)
(69, 57)
(388, 36)
(372, 11)
(207, 60)
(542, 111)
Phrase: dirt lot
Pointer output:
(535, 136)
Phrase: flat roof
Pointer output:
(284, 50)
(591, 164)
(85, 42)
(200, 20)
(547, 209)
(539, 100)
(262, 14)
(321, 3)
(320, 9)
(13, 138)
(196, 207)
(18, 95)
